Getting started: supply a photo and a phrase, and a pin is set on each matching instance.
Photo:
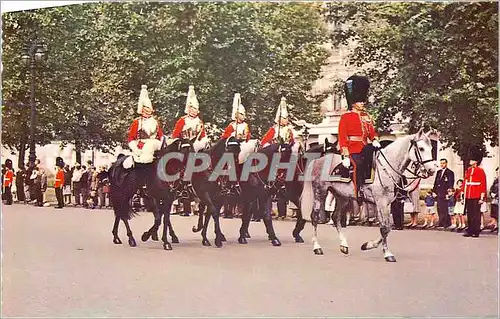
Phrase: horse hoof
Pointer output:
(175, 240)
(194, 229)
(167, 246)
(206, 243)
(242, 240)
(154, 236)
(390, 259)
(117, 241)
(318, 251)
(276, 242)
(218, 243)
(131, 242)
(364, 246)
(344, 249)
(223, 238)
(299, 239)
(145, 236)
(247, 235)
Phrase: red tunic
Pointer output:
(136, 125)
(179, 127)
(8, 178)
(354, 131)
(59, 182)
(474, 183)
(271, 134)
(230, 130)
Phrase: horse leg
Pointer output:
(201, 214)
(131, 239)
(153, 231)
(299, 224)
(245, 222)
(219, 237)
(337, 216)
(385, 229)
(268, 222)
(116, 239)
(316, 247)
(164, 237)
(205, 241)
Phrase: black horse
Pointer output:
(124, 183)
(258, 191)
(199, 187)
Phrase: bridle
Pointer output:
(416, 166)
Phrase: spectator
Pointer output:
(475, 193)
(3, 174)
(93, 188)
(412, 205)
(68, 174)
(8, 180)
(494, 204)
(77, 183)
(85, 186)
(445, 179)
(59, 182)
(20, 176)
(102, 182)
(459, 210)
(43, 184)
(430, 212)
(36, 178)
(451, 208)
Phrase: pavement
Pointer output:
(62, 263)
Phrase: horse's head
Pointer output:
(420, 154)
(329, 147)
(181, 145)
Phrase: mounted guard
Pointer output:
(281, 132)
(145, 135)
(190, 125)
(355, 128)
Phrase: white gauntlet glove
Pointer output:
(346, 162)
(376, 144)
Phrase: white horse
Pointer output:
(389, 164)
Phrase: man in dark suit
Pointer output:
(445, 179)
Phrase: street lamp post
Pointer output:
(33, 53)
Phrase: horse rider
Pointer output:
(190, 125)
(238, 127)
(145, 135)
(281, 131)
(355, 128)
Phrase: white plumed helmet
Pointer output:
(192, 100)
(144, 99)
(284, 110)
(237, 107)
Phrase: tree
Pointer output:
(99, 55)
(435, 63)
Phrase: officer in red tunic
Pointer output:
(59, 182)
(238, 127)
(281, 130)
(474, 188)
(8, 179)
(355, 129)
(145, 134)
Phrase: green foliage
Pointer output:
(436, 63)
(99, 55)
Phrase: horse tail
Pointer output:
(307, 199)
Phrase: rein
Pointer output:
(415, 178)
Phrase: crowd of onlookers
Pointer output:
(84, 185)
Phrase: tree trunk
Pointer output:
(78, 152)
(22, 152)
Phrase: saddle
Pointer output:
(345, 175)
